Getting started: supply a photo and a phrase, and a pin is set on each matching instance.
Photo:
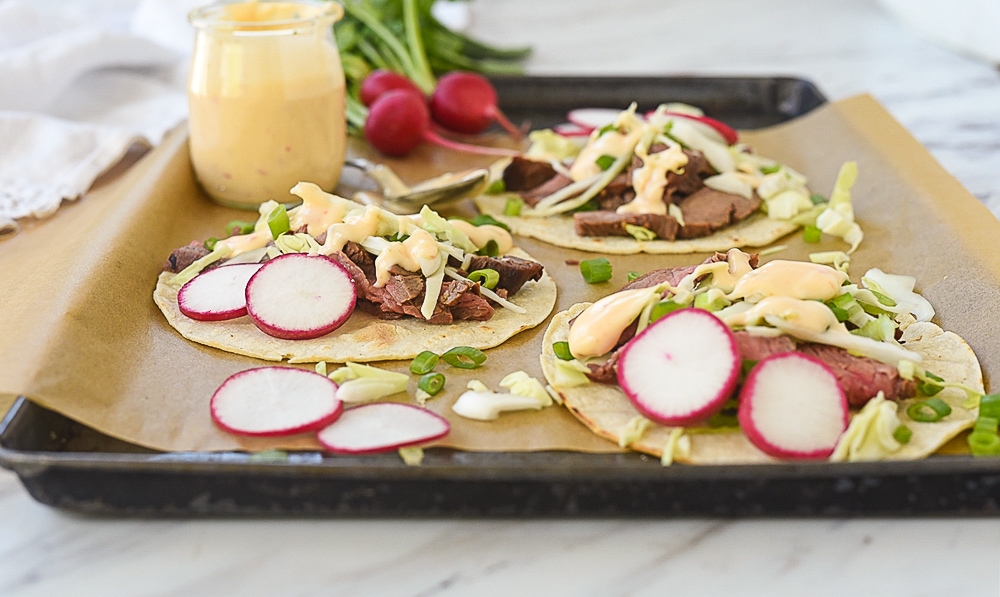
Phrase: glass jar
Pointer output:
(266, 100)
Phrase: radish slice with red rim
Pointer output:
(681, 369)
(791, 406)
(568, 129)
(382, 426)
(299, 296)
(271, 401)
(592, 118)
(715, 128)
(217, 294)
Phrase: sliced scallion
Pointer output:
(488, 278)
(930, 384)
(982, 443)
(513, 205)
(605, 161)
(816, 198)
(928, 411)
(486, 219)
(633, 275)
(770, 169)
(662, 308)
(812, 234)
(464, 357)
(432, 383)
(902, 434)
(596, 270)
(496, 187)
(210, 243)
(490, 249)
(239, 227)
(989, 406)
(424, 363)
(561, 349)
(277, 221)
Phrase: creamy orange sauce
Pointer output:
(795, 279)
(597, 329)
(611, 143)
(266, 102)
(480, 235)
(813, 316)
(420, 247)
(650, 179)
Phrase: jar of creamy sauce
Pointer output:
(266, 100)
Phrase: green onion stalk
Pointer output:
(405, 37)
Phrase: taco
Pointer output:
(476, 290)
(663, 183)
(879, 344)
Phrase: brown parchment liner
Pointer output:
(80, 334)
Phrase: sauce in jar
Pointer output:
(266, 100)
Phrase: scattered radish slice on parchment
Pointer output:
(681, 369)
(585, 120)
(217, 294)
(380, 427)
(299, 296)
(791, 406)
(272, 401)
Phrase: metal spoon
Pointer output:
(437, 191)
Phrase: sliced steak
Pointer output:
(861, 377)
(691, 178)
(514, 271)
(755, 348)
(185, 256)
(363, 259)
(533, 196)
(609, 223)
(405, 286)
(709, 210)
(670, 275)
(523, 174)
(606, 372)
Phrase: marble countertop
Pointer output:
(949, 102)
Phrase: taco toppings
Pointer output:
(746, 362)
(657, 182)
(417, 270)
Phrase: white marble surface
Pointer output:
(949, 102)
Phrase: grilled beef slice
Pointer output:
(709, 210)
(609, 223)
(514, 271)
(861, 377)
(523, 174)
(184, 256)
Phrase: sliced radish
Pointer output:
(382, 426)
(568, 129)
(270, 401)
(592, 118)
(217, 294)
(681, 369)
(792, 407)
(727, 133)
(298, 296)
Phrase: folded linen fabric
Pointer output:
(75, 98)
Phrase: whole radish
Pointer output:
(466, 103)
(381, 81)
(398, 121)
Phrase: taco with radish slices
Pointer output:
(731, 361)
(335, 280)
(672, 181)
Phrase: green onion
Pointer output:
(464, 357)
(397, 237)
(432, 383)
(986, 424)
(605, 161)
(513, 206)
(931, 386)
(639, 232)
(490, 249)
(841, 314)
(702, 301)
(607, 129)
(596, 270)
(902, 434)
(746, 366)
(928, 411)
(423, 363)
(723, 420)
(496, 187)
(487, 277)
(989, 406)
(770, 169)
(277, 221)
(210, 243)
(662, 308)
(633, 275)
(562, 351)
(984, 443)
(816, 198)
(239, 227)
(885, 300)
(812, 234)
(487, 219)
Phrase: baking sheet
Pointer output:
(85, 340)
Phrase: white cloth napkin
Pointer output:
(74, 97)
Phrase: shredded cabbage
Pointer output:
(838, 217)
(899, 289)
(870, 433)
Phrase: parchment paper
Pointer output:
(79, 332)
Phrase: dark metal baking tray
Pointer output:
(67, 465)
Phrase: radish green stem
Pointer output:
(416, 43)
